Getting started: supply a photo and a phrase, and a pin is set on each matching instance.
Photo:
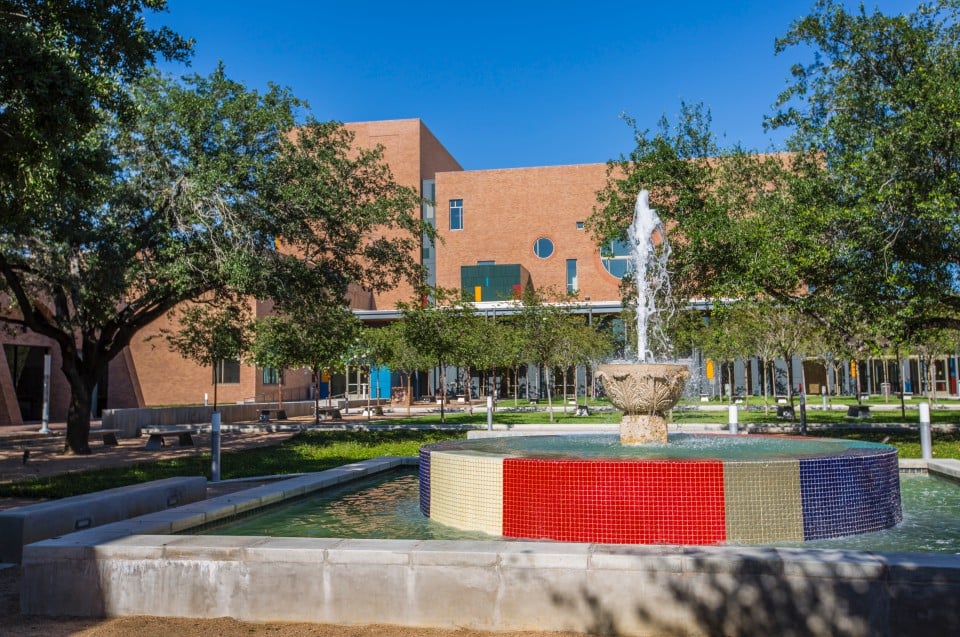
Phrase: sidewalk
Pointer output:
(46, 457)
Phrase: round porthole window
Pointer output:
(543, 248)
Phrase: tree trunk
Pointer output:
(546, 373)
(468, 389)
(766, 386)
(317, 375)
(280, 391)
(746, 384)
(565, 370)
(78, 421)
(409, 392)
(443, 390)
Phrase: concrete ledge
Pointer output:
(945, 468)
(34, 522)
(126, 568)
(497, 586)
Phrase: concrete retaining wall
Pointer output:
(34, 522)
(129, 422)
(499, 586)
(129, 568)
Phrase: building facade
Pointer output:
(497, 231)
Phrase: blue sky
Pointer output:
(509, 84)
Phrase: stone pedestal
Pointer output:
(644, 392)
(637, 429)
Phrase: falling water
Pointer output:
(650, 250)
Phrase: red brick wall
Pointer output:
(506, 211)
(414, 154)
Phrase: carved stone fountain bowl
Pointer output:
(643, 388)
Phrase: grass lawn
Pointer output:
(305, 452)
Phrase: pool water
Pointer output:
(387, 507)
(681, 447)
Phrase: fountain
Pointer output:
(640, 488)
(644, 391)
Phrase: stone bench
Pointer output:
(44, 520)
(156, 436)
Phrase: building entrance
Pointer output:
(26, 369)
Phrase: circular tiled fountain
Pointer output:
(697, 489)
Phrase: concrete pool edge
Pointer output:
(131, 568)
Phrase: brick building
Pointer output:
(497, 229)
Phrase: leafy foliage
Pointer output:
(211, 333)
(211, 191)
(64, 67)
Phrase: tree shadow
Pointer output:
(784, 592)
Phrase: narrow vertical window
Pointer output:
(572, 286)
(456, 214)
(226, 371)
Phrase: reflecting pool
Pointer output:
(387, 507)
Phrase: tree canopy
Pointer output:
(213, 188)
(857, 227)
(64, 68)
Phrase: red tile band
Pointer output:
(672, 502)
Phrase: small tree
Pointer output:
(393, 349)
(314, 338)
(211, 334)
(436, 330)
(542, 319)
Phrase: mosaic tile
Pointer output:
(424, 474)
(466, 490)
(763, 501)
(849, 494)
(629, 502)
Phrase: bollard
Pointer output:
(215, 446)
(489, 413)
(926, 451)
(45, 423)
(733, 416)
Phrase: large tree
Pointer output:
(859, 225)
(437, 330)
(877, 108)
(64, 69)
(213, 189)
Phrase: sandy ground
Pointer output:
(45, 459)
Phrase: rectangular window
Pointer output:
(456, 214)
(579, 225)
(572, 275)
(271, 376)
(226, 371)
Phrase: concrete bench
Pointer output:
(329, 413)
(41, 521)
(858, 411)
(785, 412)
(156, 436)
(109, 436)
